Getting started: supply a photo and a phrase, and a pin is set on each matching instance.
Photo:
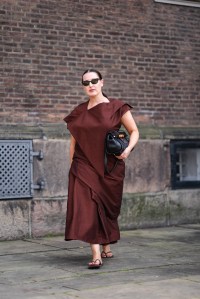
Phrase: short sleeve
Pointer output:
(74, 114)
(124, 109)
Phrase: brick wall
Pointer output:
(148, 53)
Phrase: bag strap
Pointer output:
(106, 164)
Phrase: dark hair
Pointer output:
(98, 74)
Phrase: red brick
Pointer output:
(147, 52)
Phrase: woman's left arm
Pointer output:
(130, 125)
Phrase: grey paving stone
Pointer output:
(151, 263)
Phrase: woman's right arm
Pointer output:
(72, 148)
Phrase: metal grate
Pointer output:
(15, 169)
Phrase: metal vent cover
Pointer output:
(16, 171)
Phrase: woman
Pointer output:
(94, 196)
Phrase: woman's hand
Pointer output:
(125, 154)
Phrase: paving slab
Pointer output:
(149, 263)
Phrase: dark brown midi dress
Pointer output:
(94, 197)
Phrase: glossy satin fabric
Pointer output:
(94, 197)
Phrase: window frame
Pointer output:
(180, 2)
(174, 146)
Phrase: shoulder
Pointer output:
(118, 103)
(75, 112)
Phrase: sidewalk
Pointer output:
(148, 264)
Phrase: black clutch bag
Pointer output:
(116, 142)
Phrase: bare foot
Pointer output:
(95, 264)
(106, 253)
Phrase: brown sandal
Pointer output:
(107, 255)
(96, 264)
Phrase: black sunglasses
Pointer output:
(93, 81)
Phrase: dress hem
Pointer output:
(101, 243)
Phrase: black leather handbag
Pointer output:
(116, 142)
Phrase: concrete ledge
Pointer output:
(59, 130)
(184, 206)
(21, 219)
(45, 217)
(14, 219)
(144, 210)
(48, 217)
(160, 209)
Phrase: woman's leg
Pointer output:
(96, 257)
(106, 253)
(96, 254)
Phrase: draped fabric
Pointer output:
(94, 197)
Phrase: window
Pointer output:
(185, 164)
(181, 2)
